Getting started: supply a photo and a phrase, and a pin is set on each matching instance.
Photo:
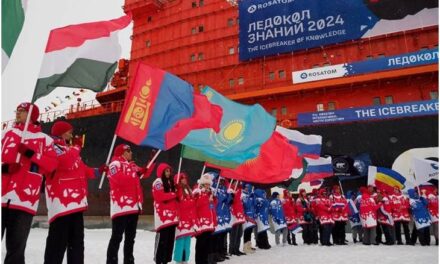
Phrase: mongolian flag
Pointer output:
(385, 179)
(275, 163)
(243, 130)
(161, 109)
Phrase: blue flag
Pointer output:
(242, 130)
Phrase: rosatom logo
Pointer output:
(230, 135)
(303, 75)
(252, 9)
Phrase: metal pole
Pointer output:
(108, 160)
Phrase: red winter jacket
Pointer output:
(237, 210)
(368, 211)
(126, 196)
(302, 209)
(206, 214)
(21, 189)
(400, 208)
(66, 188)
(324, 210)
(433, 207)
(165, 203)
(339, 207)
(289, 208)
(384, 215)
(187, 213)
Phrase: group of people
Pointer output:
(218, 212)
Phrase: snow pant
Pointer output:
(307, 233)
(369, 235)
(263, 240)
(424, 236)
(435, 231)
(17, 225)
(204, 243)
(398, 231)
(338, 233)
(378, 234)
(164, 244)
(283, 231)
(182, 249)
(219, 243)
(314, 232)
(291, 238)
(356, 233)
(326, 233)
(235, 238)
(388, 231)
(65, 232)
(125, 224)
(247, 234)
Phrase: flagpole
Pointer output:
(107, 161)
(152, 160)
(178, 170)
(218, 182)
(203, 170)
(236, 185)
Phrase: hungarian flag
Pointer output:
(12, 22)
(275, 163)
(161, 109)
(81, 56)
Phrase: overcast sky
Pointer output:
(20, 75)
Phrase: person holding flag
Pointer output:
(290, 214)
(368, 214)
(432, 198)
(126, 198)
(339, 215)
(385, 218)
(276, 213)
(248, 200)
(401, 215)
(238, 218)
(66, 198)
(165, 213)
(25, 159)
(305, 216)
(262, 211)
(420, 214)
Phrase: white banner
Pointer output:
(321, 73)
(424, 170)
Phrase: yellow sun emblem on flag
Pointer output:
(230, 135)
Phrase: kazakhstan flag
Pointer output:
(242, 130)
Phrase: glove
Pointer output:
(10, 168)
(25, 151)
(77, 141)
(103, 168)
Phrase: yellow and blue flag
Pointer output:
(385, 179)
(243, 129)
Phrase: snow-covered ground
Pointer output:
(96, 241)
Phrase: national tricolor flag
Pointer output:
(161, 109)
(13, 12)
(318, 169)
(308, 145)
(81, 56)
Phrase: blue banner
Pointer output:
(269, 27)
(419, 108)
(423, 57)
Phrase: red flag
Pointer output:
(275, 163)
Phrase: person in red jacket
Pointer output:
(66, 198)
(165, 213)
(290, 214)
(432, 198)
(305, 216)
(385, 218)
(339, 215)
(368, 214)
(323, 211)
(206, 218)
(238, 218)
(126, 198)
(187, 218)
(401, 215)
(21, 181)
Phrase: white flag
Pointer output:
(424, 170)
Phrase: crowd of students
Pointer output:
(216, 211)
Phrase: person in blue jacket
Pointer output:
(278, 219)
(224, 217)
(248, 200)
(420, 214)
(262, 211)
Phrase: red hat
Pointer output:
(120, 149)
(182, 176)
(60, 127)
(35, 111)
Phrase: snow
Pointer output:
(96, 241)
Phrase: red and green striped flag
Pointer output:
(12, 22)
(81, 56)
